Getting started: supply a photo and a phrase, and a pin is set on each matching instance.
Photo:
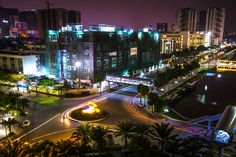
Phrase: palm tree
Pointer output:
(9, 148)
(162, 133)
(101, 138)
(173, 145)
(140, 140)
(11, 99)
(66, 148)
(10, 122)
(125, 129)
(142, 130)
(82, 134)
(142, 90)
(192, 145)
(24, 104)
(4, 123)
(44, 148)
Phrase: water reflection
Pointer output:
(210, 96)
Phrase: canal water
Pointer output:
(211, 95)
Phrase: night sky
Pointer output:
(131, 13)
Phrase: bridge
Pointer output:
(129, 80)
(206, 118)
(226, 65)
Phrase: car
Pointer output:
(26, 123)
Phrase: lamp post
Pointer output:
(78, 64)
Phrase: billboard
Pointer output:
(133, 51)
(30, 65)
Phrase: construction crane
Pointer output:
(48, 3)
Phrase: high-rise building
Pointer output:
(202, 20)
(215, 21)
(54, 19)
(5, 14)
(29, 16)
(162, 27)
(73, 17)
(186, 20)
(100, 51)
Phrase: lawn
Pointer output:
(45, 100)
(173, 115)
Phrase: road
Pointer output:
(118, 106)
(59, 127)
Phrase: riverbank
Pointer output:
(210, 96)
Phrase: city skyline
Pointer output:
(130, 14)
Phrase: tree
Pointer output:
(153, 99)
(9, 148)
(82, 134)
(11, 99)
(173, 145)
(157, 102)
(66, 148)
(100, 138)
(44, 148)
(192, 145)
(142, 90)
(10, 122)
(140, 140)
(125, 129)
(5, 124)
(65, 86)
(142, 130)
(47, 83)
(24, 104)
(162, 133)
(30, 80)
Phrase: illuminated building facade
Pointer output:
(197, 39)
(171, 42)
(25, 62)
(100, 51)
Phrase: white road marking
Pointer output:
(37, 127)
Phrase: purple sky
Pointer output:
(130, 13)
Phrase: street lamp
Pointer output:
(78, 64)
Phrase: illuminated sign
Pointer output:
(113, 54)
(210, 74)
(133, 51)
(107, 28)
(221, 137)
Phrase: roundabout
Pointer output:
(87, 113)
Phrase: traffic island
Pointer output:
(89, 113)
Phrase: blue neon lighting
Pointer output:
(221, 137)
